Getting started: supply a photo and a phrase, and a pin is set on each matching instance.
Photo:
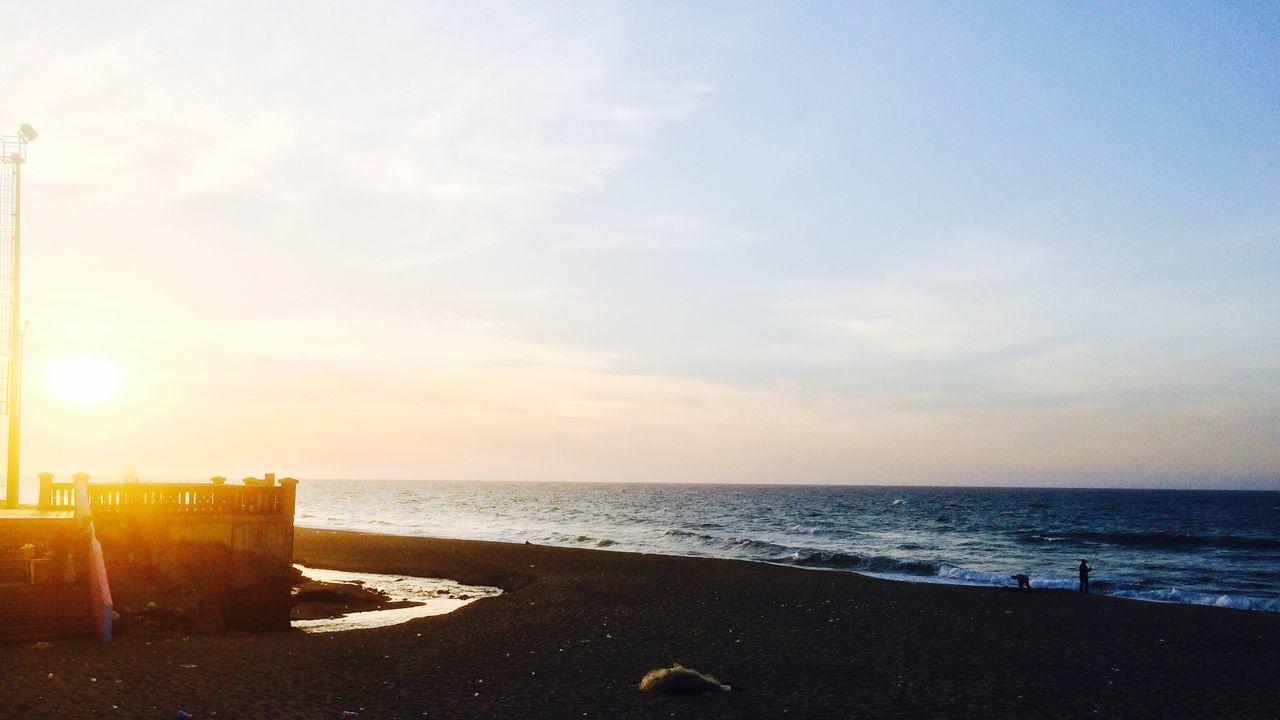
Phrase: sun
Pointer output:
(85, 379)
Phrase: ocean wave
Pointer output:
(751, 548)
(861, 563)
(1156, 540)
(1177, 595)
(799, 529)
(955, 575)
(964, 576)
(757, 549)
(687, 535)
(556, 538)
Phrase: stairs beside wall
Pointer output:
(51, 608)
(29, 613)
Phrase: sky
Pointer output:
(980, 244)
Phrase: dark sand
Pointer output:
(577, 629)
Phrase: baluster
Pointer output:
(46, 485)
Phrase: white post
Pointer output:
(84, 511)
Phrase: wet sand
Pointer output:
(575, 630)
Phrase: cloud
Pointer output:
(416, 241)
(465, 124)
(975, 296)
(655, 231)
(989, 320)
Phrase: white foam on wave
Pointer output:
(952, 575)
(804, 529)
(1176, 595)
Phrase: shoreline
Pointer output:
(1235, 601)
(926, 580)
(574, 631)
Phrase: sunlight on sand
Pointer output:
(436, 597)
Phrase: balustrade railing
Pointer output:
(193, 499)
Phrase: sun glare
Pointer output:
(85, 380)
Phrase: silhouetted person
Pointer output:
(1024, 582)
(1084, 576)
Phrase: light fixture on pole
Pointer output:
(13, 154)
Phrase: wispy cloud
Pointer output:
(990, 320)
(470, 124)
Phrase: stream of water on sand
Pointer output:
(434, 596)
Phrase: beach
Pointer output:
(576, 629)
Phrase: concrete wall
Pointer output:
(240, 563)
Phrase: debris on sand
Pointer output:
(680, 680)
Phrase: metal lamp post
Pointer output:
(13, 154)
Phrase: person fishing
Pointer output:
(1084, 576)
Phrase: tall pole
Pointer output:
(13, 151)
(15, 348)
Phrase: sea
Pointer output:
(1202, 547)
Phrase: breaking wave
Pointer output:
(859, 563)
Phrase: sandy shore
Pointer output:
(576, 629)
